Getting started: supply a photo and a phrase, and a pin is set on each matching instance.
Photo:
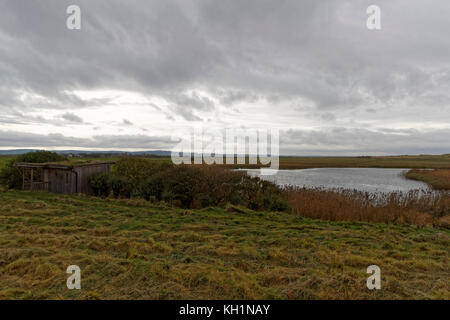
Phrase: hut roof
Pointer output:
(63, 164)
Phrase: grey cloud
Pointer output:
(319, 52)
(297, 48)
(15, 139)
(339, 140)
(72, 118)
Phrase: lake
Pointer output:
(363, 179)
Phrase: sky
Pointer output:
(138, 70)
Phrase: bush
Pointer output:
(99, 182)
(119, 187)
(40, 157)
(234, 198)
(193, 186)
(274, 204)
(168, 196)
(152, 188)
(137, 169)
(204, 186)
(205, 200)
(11, 176)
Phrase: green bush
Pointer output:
(11, 176)
(270, 203)
(167, 196)
(40, 157)
(193, 186)
(205, 200)
(99, 182)
(181, 182)
(138, 169)
(234, 198)
(152, 188)
(119, 187)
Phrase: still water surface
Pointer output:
(363, 179)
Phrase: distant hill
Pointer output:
(15, 151)
(160, 153)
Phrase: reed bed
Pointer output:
(415, 207)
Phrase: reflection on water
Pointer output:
(362, 179)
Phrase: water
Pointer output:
(372, 180)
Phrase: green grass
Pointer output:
(131, 249)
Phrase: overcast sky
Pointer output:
(139, 69)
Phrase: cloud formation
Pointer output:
(309, 68)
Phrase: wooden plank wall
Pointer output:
(61, 181)
(85, 172)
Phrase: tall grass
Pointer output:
(438, 179)
(414, 207)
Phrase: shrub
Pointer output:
(168, 196)
(119, 187)
(137, 169)
(194, 186)
(181, 182)
(152, 188)
(11, 176)
(99, 182)
(205, 200)
(234, 198)
(274, 204)
(204, 186)
(40, 157)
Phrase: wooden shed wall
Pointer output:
(83, 174)
(61, 180)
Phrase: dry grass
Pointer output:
(130, 249)
(417, 161)
(438, 179)
(416, 207)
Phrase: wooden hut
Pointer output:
(63, 177)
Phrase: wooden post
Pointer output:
(23, 178)
(46, 184)
(31, 182)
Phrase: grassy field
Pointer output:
(418, 161)
(439, 179)
(135, 250)
(425, 161)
